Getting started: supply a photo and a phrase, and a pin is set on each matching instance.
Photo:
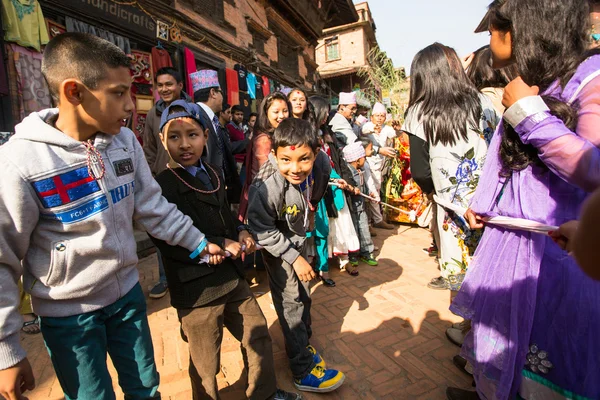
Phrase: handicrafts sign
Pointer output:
(128, 16)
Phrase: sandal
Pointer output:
(31, 327)
(352, 272)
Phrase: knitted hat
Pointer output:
(347, 98)
(378, 108)
(190, 110)
(204, 79)
(354, 151)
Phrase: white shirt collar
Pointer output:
(208, 110)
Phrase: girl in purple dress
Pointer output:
(535, 315)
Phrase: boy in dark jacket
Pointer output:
(282, 201)
(207, 297)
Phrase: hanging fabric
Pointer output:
(24, 23)
(233, 91)
(33, 93)
(266, 86)
(160, 59)
(190, 67)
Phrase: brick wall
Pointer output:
(352, 47)
(235, 16)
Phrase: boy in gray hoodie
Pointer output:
(73, 180)
(282, 200)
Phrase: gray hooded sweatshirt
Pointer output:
(68, 234)
(277, 209)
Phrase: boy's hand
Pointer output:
(374, 197)
(343, 184)
(16, 380)
(303, 269)
(474, 220)
(565, 234)
(234, 248)
(355, 190)
(214, 252)
(245, 238)
(387, 151)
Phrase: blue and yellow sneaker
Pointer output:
(320, 380)
(316, 357)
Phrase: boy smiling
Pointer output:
(282, 199)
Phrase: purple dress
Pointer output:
(535, 315)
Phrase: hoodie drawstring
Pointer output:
(94, 158)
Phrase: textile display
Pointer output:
(399, 189)
(160, 59)
(143, 75)
(245, 102)
(251, 83)
(242, 73)
(121, 42)
(24, 23)
(190, 67)
(233, 96)
(259, 88)
(266, 86)
(32, 91)
(13, 86)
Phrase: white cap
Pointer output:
(378, 108)
(347, 98)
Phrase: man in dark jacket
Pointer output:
(209, 96)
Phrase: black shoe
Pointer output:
(328, 282)
(438, 283)
(461, 363)
(159, 290)
(461, 394)
(283, 395)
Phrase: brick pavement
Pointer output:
(384, 329)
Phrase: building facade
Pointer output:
(343, 50)
(274, 39)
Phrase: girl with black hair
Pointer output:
(535, 315)
(450, 125)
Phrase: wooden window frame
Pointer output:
(329, 42)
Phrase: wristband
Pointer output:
(199, 249)
(243, 227)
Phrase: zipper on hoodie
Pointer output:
(96, 168)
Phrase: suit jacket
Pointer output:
(214, 156)
(192, 284)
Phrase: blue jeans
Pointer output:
(78, 346)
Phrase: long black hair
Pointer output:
(550, 39)
(481, 73)
(448, 101)
(262, 124)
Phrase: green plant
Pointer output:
(384, 78)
